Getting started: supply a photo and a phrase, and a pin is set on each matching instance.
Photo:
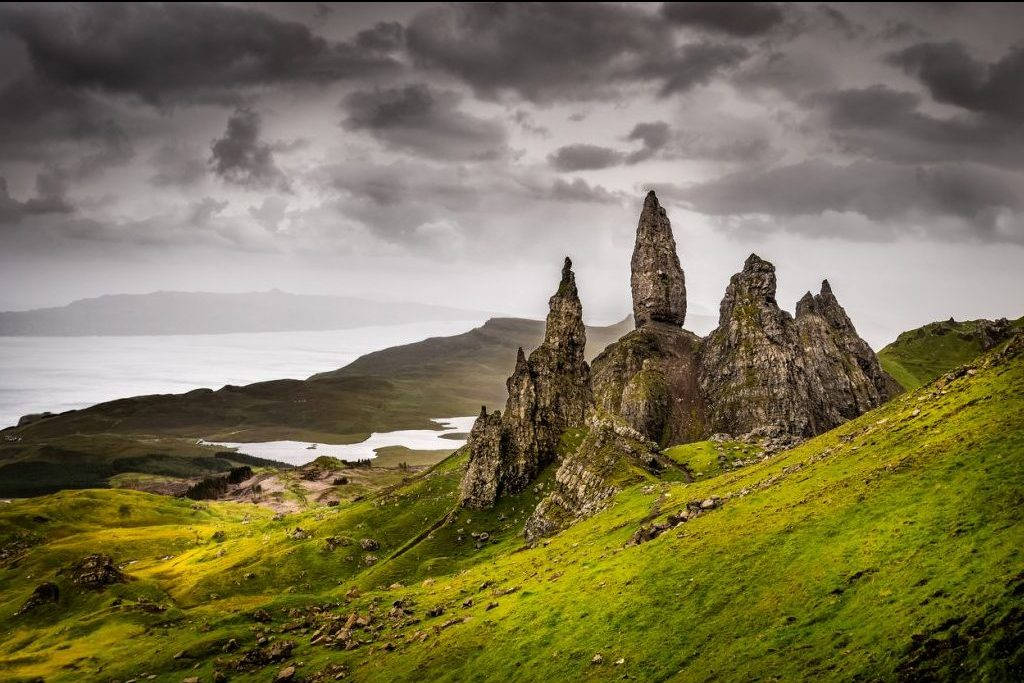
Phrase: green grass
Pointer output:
(891, 547)
(921, 355)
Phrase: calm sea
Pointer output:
(65, 373)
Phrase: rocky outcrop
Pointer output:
(763, 373)
(761, 367)
(847, 367)
(591, 475)
(547, 393)
(648, 381)
(658, 284)
(95, 572)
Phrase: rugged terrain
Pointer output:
(885, 549)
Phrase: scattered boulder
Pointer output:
(267, 654)
(45, 593)
(369, 544)
(95, 572)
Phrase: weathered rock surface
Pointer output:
(589, 476)
(761, 367)
(648, 380)
(547, 393)
(95, 572)
(44, 593)
(657, 281)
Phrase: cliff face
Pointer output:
(547, 393)
(761, 367)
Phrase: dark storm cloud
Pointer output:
(165, 53)
(51, 190)
(653, 136)
(425, 121)
(953, 76)
(741, 19)
(44, 122)
(987, 203)
(240, 157)
(584, 158)
(385, 36)
(692, 65)
(883, 123)
(547, 52)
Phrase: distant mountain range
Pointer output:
(212, 313)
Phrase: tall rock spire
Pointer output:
(658, 283)
(548, 393)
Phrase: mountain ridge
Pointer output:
(170, 312)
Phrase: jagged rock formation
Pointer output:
(832, 345)
(657, 281)
(547, 393)
(762, 367)
(762, 373)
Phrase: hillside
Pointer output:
(885, 549)
(398, 388)
(920, 355)
(216, 313)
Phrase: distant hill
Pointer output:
(397, 388)
(212, 313)
(919, 356)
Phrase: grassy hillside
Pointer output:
(397, 388)
(886, 549)
(918, 356)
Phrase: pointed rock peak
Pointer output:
(652, 205)
(658, 283)
(826, 288)
(483, 412)
(805, 306)
(567, 287)
(520, 358)
(755, 263)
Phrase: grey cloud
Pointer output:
(653, 136)
(584, 158)
(547, 52)
(986, 204)
(953, 76)
(740, 19)
(385, 36)
(49, 123)
(887, 124)
(177, 165)
(50, 198)
(578, 190)
(425, 121)
(242, 158)
(165, 53)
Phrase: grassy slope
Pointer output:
(919, 356)
(890, 547)
(397, 388)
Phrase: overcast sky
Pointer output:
(454, 154)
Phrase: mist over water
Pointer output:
(64, 373)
